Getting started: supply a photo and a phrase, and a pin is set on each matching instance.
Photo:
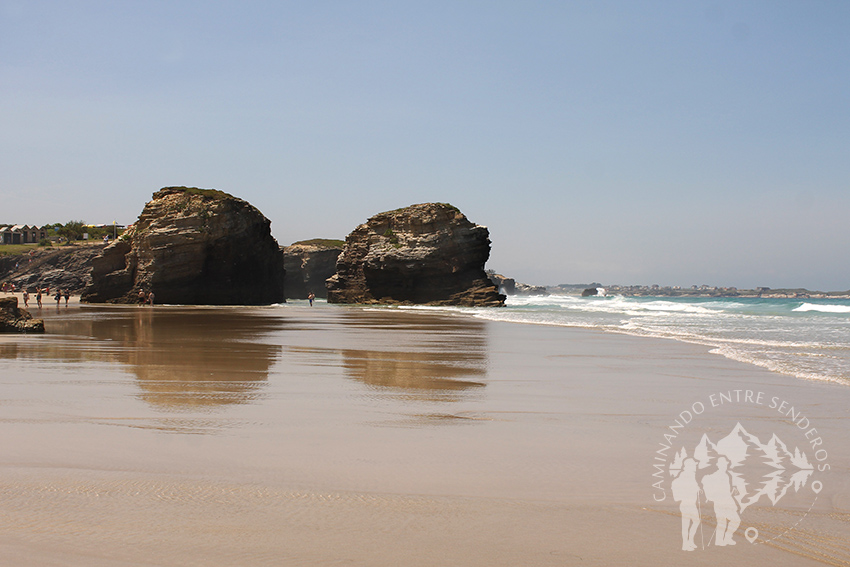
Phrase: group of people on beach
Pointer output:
(40, 293)
(145, 298)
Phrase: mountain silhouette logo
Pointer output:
(732, 474)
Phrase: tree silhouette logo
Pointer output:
(726, 484)
(733, 474)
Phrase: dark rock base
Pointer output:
(15, 320)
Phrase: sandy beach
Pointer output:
(333, 435)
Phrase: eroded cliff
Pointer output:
(192, 246)
(308, 264)
(425, 254)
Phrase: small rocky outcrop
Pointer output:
(505, 284)
(590, 292)
(15, 320)
(509, 286)
(192, 246)
(528, 289)
(308, 264)
(424, 254)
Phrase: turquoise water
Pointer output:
(806, 338)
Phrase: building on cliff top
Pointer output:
(22, 234)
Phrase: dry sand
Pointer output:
(343, 435)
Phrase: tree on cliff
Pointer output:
(72, 230)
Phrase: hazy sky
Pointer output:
(674, 142)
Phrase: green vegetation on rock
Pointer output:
(210, 193)
(393, 238)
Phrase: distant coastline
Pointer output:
(699, 291)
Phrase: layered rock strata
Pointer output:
(16, 320)
(308, 264)
(192, 246)
(424, 254)
(66, 267)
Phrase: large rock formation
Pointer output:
(428, 254)
(15, 320)
(192, 246)
(308, 264)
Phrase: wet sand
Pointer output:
(343, 435)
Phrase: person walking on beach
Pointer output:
(142, 297)
(150, 299)
(38, 296)
(718, 489)
(310, 297)
(26, 298)
(67, 295)
(58, 297)
(686, 490)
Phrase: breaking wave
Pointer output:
(781, 335)
(822, 308)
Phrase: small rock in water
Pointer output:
(16, 320)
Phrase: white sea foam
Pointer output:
(781, 367)
(777, 334)
(823, 308)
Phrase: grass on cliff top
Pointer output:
(447, 205)
(16, 249)
(22, 249)
(326, 242)
(211, 193)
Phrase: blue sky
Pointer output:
(675, 143)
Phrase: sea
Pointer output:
(805, 338)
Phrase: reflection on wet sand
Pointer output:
(415, 357)
(196, 360)
(184, 359)
(422, 376)
(417, 371)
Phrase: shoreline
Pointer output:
(717, 345)
(715, 348)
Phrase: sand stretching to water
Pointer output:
(308, 436)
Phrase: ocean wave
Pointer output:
(615, 304)
(780, 366)
(711, 337)
(823, 308)
(763, 332)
